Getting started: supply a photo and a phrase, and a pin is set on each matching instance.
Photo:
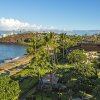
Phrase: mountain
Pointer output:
(7, 32)
(83, 32)
(72, 32)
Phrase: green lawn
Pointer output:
(46, 96)
(49, 96)
(65, 66)
(28, 83)
(31, 78)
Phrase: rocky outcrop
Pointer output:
(18, 38)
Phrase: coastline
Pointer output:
(16, 51)
(9, 60)
(15, 62)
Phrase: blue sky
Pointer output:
(68, 14)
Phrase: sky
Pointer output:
(50, 14)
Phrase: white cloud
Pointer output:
(12, 24)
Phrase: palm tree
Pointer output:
(62, 40)
(51, 47)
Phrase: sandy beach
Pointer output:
(22, 60)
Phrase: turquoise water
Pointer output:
(9, 51)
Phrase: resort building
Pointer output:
(89, 46)
(86, 46)
(5, 35)
(92, 49)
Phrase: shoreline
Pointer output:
(17, 62)
(12, 58)
(11, 43)
(5, 61)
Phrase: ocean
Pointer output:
(11, 51)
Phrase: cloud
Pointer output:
(13, 24)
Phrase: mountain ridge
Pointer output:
(70, 32)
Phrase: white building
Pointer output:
(5, 35)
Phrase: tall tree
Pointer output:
(62, 40)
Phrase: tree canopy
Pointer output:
(9, 89)
(76, 56)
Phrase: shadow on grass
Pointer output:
(26, 84)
